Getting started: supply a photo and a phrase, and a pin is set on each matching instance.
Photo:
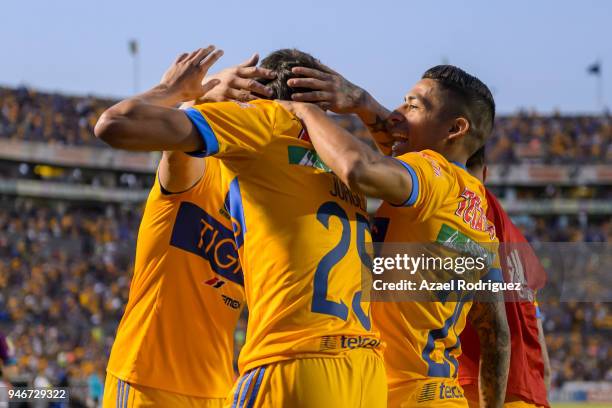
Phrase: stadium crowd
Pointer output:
(64, 280)
(29, 115)
(65, 267)
(26, 114)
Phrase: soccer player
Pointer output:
(428, 197)
(174, 346)
(302, 238)
(529, 365)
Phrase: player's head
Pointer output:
(476, 165)
(448, 110)
(281, 62)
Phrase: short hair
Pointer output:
(472, 98)
(281, 62)
(477, 159)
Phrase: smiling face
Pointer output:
(422, 121)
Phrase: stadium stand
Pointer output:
(27, 115)
(70, 209)
(50, 118)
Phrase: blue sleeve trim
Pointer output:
(211, 144)
(414, 194)
(538, 312)
(459, 165)
(235, 206)
(494, 275)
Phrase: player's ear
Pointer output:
(458, 128)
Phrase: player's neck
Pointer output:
(454, 156)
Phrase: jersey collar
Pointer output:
(459, 165)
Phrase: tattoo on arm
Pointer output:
(545, 358)
(355, 95)
(378, 125)
(489, 320)
(375, 116)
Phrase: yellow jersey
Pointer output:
(186, 295)
(447, 206)
(302, 235)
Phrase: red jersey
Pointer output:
(526, 377)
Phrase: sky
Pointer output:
(532, 54)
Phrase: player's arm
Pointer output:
(332, 91)
(545, 358)
(489, 320)
(358, 165)
(148, 122)
(177, 171)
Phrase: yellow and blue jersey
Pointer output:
(302, 235)
(447, 206)
(186, 295)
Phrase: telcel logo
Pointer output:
(450, 391)
(358, 342)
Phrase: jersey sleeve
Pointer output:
(430, 185)
(493, 272)
(232, 129)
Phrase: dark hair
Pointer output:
(471, 98)
(477, 159)
(281, 62)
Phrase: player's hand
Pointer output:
(185, 75)
(239, 83)
(330, 90)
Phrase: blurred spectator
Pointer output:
(96, 389)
